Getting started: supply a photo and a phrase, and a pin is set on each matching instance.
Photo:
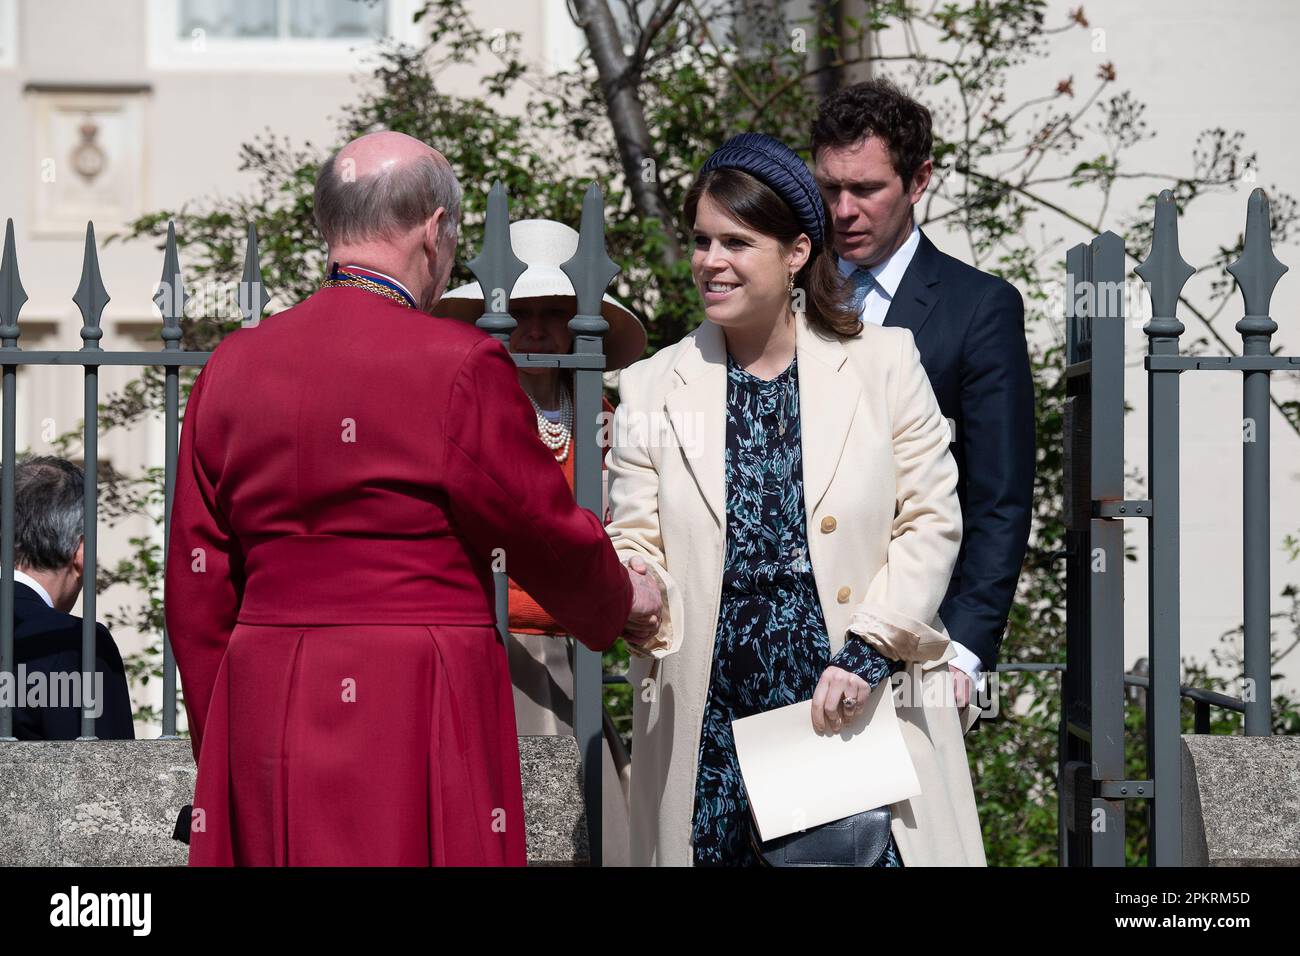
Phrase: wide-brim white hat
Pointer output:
(542, 245)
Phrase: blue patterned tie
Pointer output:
(862, 280)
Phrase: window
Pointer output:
(273, 34)
(280, 19)
(8, 33)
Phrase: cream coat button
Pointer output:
(843, 595)
(828, 524)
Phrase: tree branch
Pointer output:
(1188, 306)
(659, 17)
(619, 83)
(722, 61)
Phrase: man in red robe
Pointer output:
(349, 470)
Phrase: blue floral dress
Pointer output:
(771, 645)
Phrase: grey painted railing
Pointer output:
(1092, 741)
(91, 297)
(590, 270)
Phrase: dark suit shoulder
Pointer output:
(952, 269)
(32, 615)
(42, 631)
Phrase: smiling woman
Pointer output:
(751, 253)
(804, 531)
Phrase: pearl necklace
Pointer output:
(557, 436)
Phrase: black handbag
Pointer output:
(858, 840)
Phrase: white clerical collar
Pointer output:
(376, 272)
(889, 274)
(31, 582)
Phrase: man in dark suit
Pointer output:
(49, 548)
(871, 144)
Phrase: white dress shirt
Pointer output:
(888, 275)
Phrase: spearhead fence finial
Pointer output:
(91, 296)
(170, 296)
(590, 270)
(1257, 271)
(12, 294)
(1165, 271)
(496, 267)
(253, 296)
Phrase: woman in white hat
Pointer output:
(542, 303)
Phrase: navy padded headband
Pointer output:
(779, 167)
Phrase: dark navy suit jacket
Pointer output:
(969, 327)
(48, 640)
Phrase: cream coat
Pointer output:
(884, 527)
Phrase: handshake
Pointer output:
(647, 604)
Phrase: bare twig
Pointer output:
(1186, 303)
(722, 60)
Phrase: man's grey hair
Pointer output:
(48, 516)
(351, 209)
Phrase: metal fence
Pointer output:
(497, 268)
(1093, 785)
(91, 297)
(591, 271)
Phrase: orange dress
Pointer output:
(526, 615)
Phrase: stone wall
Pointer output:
(1241, 800)
(114, 803)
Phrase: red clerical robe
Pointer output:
(347, 470)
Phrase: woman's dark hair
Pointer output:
(747, 199)
(876, 108)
